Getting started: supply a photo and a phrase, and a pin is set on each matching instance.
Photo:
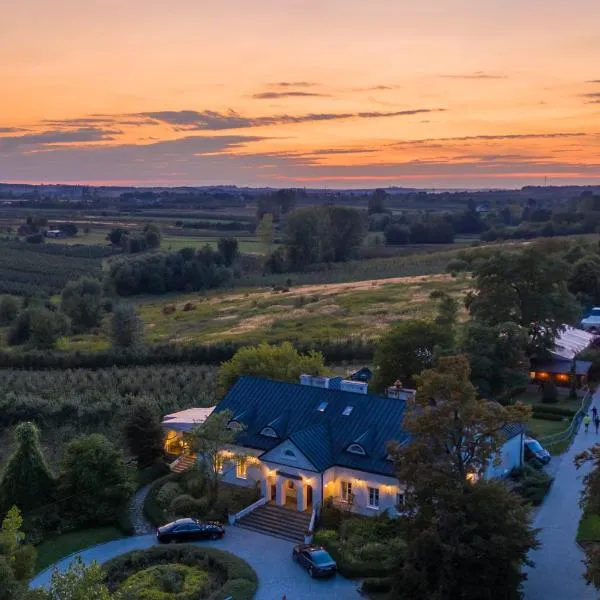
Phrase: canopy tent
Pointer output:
(186, 420)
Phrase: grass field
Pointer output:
(304, 314)
(52, 550)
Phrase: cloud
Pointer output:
(209, 120)
(88, 134)
(475, 75)
(11, 129)
(289, 84)
(509, 136)
(290, 94)
(94, 120)
(376, 88)
(593, 81)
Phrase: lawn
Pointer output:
(52, 550)
(542, 427)
(304, 314)
(589, 528)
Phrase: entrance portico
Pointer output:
(289, 490)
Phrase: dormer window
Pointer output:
(289, 454)
(269, 432)
(322, 407)
(356, 449)
(235, 425)
(348, 411)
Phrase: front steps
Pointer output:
(183, 463)
(277, 521)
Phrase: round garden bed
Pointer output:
(181, 573)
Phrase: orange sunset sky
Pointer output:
(327, 93)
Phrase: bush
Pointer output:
(153, 511)
(169, 309)
(547, 416)
(188, 506)
(194, 483)
(167, 493)
(532, 485)
(554, 410)
(549, 392)
(152, 473)
(376, 585)
(189, 306)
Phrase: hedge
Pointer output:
(376, 585)
(353, 569)
(236, 576)
(554, 410)
(547, 416)
(153, 511)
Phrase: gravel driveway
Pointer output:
(271, 558)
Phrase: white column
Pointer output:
(265, 488)
(280, 496)
(301, 500)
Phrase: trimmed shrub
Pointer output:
(547, 416)
(167, 493)
(184, 506)
(153, 511)
(532, 485)
(549, 392)
(563, 411)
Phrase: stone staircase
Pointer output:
(183, 463)
(277, 521)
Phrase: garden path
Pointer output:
(141, 525)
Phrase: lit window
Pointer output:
(269, 432)
(219, 463)
(241, 469)
(322, 407)
(348, 410)
(373, 498)
(356, 449)
(346, 491)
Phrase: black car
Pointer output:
(189, 530)
(315, 559)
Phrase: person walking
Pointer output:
(597, 423)
(586, 422)
(594, 413)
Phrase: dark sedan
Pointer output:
(315, 559)
(189, 530)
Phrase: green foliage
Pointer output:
(94, 474)
(78, 582)
(126, 328)
(45, 269)
(167, 493)
(39, 327)
(188, 506)
(282, 363)
(144, 433)
(82, 302)
(228, 249)
(161, 272)
(165, 582)
(531, 484)
(9, 309)
(549, 392)
(26, 479)
(152, 235)
(407, 349)
(584, 281)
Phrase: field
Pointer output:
(306, 313)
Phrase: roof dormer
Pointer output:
(355, 448)
(268, 432)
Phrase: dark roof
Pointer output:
(322, 436)
(561, 366)
(512, 430)
(364, 374)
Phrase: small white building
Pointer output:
(324, 438)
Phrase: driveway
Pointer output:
(271, 558)
(558, 571)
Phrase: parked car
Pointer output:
(189, 530)
(315, 559)
(535, 452)
(592, 321)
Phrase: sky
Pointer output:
(301, 93)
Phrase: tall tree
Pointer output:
(585, 279)
(126, 328)
(26, 481)
(143, 433)
(302, 237)
(228, 249)
(264, 232)
(377, 201)
(81, 301)
(407, 349)
(283, 363)
(95, 477)
(78, 582)
(9, 310)
(344, 232)
(466, 537)
(210, 439)
(528, 288)
(152, 235)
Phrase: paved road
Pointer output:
(558, 571)
(270, 557)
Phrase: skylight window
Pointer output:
(322, 407)
(348, 410)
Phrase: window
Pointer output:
(348, 411)
(289, 454)
(322, 407)
(347, 491)
(373, 498)
(356, 449)
(269, 432)
(400, 501)
(241, 469)
(219, 463)
(234, 425)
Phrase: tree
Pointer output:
(396, 234)
(282, 363)
(210, 439)
(228, 249)
(377, 201)
(95, 478)
(17, 560)
(406, 350)
(78, 582)
(26, 481)
(302, 237)
(152, 235)
(466, 537)
(126, 328)
(82, 302)
(447, 312)
(344, 232)
(264, 232)
(497, 356)
(549, 392)
(528, 288)
(46, 327)
(144, 434)
(9, 310)
(117, 236)
(585, 279)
